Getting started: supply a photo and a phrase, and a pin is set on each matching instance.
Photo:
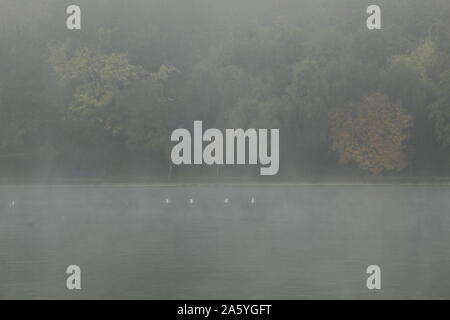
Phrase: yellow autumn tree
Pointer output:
(372, 134)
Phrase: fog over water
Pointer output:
(289, 244)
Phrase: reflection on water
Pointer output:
(294, 242)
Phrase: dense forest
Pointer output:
(102, 101)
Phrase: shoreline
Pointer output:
(148, 183)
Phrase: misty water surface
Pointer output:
(294, 242)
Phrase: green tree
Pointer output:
(96, 80)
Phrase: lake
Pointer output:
(299, 241)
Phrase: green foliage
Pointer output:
(109, 94)
(96, 80)
(440, 109)
(148, 112)
(108, 98)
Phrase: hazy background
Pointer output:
(102, 102)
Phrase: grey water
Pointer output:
(293, 242)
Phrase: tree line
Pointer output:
(102, 101)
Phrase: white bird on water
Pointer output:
(191, 201)
(168, 201)
(12, 204)
(226, 200)
(252, 201)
